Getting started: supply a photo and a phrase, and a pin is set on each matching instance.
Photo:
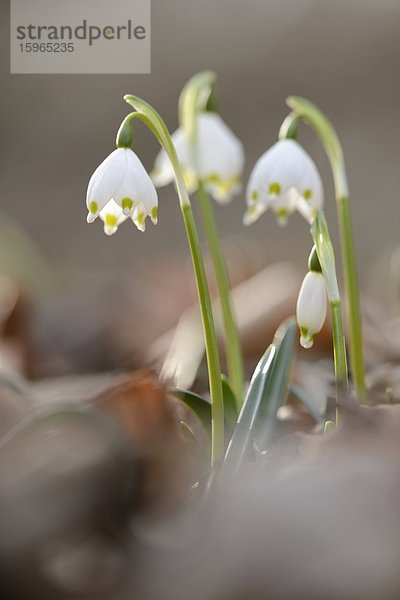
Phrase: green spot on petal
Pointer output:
(212, 178)
(282, 214)
(140, 218)
(154, 212)
(111, 220)
(126, 203)
(254, 195)
(93, 207)
(275, 188)
(307, 194)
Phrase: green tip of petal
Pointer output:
(307, 195)
(212, 178)
(126, 205)
(93, 212)
(282, 216)
(275, 188)
(154, 215)
(140, 221)
(306, 340)
(254, 196)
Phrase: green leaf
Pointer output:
(200, 406)
(276, 388)
(230, 410)
(242, 436)
(267, 391)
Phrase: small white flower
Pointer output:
(284, 179)
(121, 187)
(311, 307)
(217, 158)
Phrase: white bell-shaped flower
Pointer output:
(121, 178)
(311, 307)
(284, 179)
(216, 157)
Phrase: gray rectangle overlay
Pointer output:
(80, 36)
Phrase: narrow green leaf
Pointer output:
(231, 413)
(276, 387)
(200, 406)
(242, 436)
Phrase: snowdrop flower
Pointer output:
(284, 179)
(120, 187)
(311, 307)
(216, 158)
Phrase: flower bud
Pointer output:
(311, 307)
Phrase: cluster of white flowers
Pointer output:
(283, 179)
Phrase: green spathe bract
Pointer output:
(326, 256)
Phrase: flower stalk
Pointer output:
(194, 99)
(308, 112)
(149, 116)
(232, 342)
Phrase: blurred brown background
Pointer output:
(344, 55)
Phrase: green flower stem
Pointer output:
(154, 122)
(339, 347)
(232, 342)
(325, 131)
(326, 257)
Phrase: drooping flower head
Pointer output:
(215, 156)
(120, 187)
(284, 179)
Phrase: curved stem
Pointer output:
(325, 131)
(232, 342)
(153, 120)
